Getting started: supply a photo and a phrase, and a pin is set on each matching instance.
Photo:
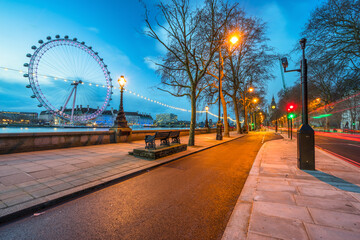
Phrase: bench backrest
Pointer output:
(162, 135)
(174, 134)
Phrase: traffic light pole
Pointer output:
(305, 134)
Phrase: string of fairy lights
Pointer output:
(125, 90)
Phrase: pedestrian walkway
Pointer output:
(279, 201)
(33, 179)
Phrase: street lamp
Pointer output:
(122, 130)
(273, 106)
(206, 121)
(251, 89)
(233, 40)
(305, 134)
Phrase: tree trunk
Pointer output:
(246, 119)
(226, 124)
(236, 111)
(193, 119)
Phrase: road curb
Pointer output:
(238, 224)
(89, 187)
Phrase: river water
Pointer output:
(61, 129)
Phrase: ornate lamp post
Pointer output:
(206, 121)
(305, 134)
(122, 130)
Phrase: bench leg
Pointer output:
(165, 142)
(150, 145)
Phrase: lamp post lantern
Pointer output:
(122, 130)
(305, 134)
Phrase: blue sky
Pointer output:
(114, 28)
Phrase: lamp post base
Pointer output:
(121, 134)
(219, 131)
(306, 148)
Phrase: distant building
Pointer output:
(106, 119)
(18, 117)
(166, 118)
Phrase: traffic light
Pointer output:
(290, 109)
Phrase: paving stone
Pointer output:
(61, 186)
(17, 200)
(282, 210)
(277, 197)
(8, 170)
(43, 173)
(11, 194)
(275, 187)
(324, 193)
(2, 205)
(276, 227)
(326, 204)
(320, 232)
(34, 187)
(356, 204)
(336, 219)
(79, 182)
(34, 169)
(42, 192)
(254, 236)
(15, 179)
(53, 182)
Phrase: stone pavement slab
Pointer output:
(31, 180)
(280, 201)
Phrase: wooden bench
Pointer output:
(175, 136)
(163, 137)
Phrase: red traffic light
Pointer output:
(290, 107)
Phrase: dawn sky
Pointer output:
(114, 29)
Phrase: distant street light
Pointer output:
(251, 89)
(273, 106)
(305, 139)
(206, 121)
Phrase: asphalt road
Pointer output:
(191, 198)
(341, 147)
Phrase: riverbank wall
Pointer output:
(26, 142)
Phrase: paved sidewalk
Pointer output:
(33, 179)
(280, 201)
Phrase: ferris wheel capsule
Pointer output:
(41, 41)
(40, 105)
(66, 36)
(33, 96)
(28, 86)
(26, 75)
(75, 39)
(26, 64)
(48, 38)
(28, 55)
(33, 47)
(57, 36)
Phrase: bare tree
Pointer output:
(192, 39)
(333, 32)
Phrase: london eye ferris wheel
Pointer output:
(64, 74)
